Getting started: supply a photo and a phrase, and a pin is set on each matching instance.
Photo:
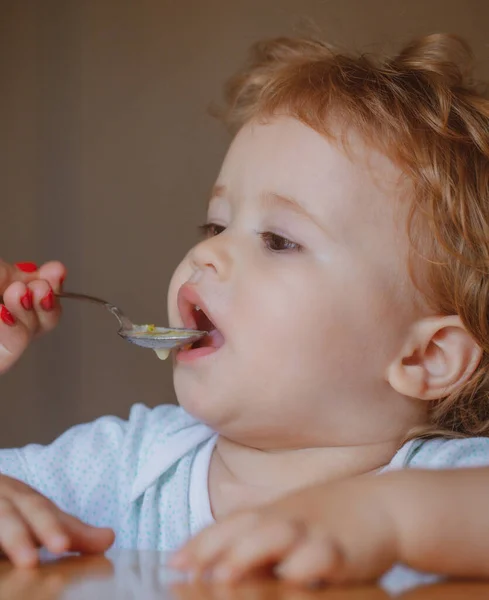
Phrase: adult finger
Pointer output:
(54, 273)
(22, 271)
(19, 300)
(14, 338)
(46, 305)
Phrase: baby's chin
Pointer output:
(203, 404)
(190, 394)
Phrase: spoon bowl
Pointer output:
(146, 336)
(158, 338)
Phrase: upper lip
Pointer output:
(187, 299)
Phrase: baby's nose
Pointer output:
(196, 275)
(213, 254)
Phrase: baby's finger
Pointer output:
(46, 305)
(312, 560)
(15, 537)
(262, 546)
(203, 550)
(85, 538)
(54, 273)
(44, 520)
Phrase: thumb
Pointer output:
(86, 538)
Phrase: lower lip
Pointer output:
(193, 354)
(188, 356)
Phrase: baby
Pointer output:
(343, 281)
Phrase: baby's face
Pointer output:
(304, 274)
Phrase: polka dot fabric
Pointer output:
(132, 475)
(146, 479)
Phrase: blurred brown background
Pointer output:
(107, 156)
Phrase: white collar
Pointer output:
(166, 450)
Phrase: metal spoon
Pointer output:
(147, 336)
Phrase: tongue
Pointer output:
(213, 339)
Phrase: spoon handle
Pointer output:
(76, 296)
(124, 322)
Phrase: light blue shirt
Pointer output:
(147, 477)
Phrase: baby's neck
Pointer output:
(241, 477)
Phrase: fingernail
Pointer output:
(6, 316)
(26, 267)
(47, 303)
(26, 300)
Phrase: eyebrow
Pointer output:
(269, 199)
(273, 199)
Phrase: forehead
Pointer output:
(291, 159)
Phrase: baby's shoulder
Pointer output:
(440, 453)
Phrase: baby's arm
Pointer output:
(442, 519)
(355, 530)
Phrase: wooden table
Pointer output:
(128, 575)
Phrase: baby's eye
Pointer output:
(278, 243)
(209, 230)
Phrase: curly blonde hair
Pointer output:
(425, 112)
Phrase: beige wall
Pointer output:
(107, 155)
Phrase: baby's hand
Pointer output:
(335, 533)
(29, 520)
(29, 307)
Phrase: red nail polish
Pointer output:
(26, 267)
(47, 302)
(6, 316)
(26, 300)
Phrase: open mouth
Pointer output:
(203, 323)
(195, 315)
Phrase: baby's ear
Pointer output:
(437, 358)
